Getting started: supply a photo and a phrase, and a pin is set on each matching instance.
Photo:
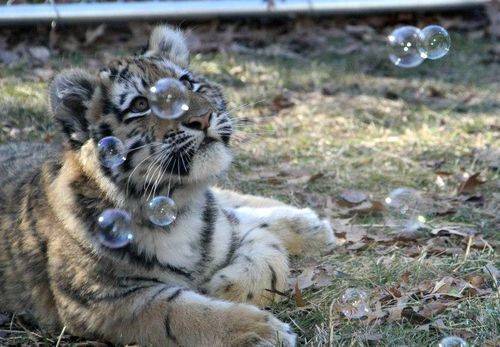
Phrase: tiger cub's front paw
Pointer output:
(318, 233)
(249, 326)
(308, 234)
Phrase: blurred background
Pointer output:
(324, 120)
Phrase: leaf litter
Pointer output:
(422, 303)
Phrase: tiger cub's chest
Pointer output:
(193, 243)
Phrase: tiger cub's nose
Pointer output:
(199, 122)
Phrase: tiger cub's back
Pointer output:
(22, 254)
(19, 159)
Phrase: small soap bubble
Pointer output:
(111, 151)
(452, 341)
(168, 98)
(435, 42)
(354, 304)
(162, 211)
(406, 209)
(115, 228)
(404, 45)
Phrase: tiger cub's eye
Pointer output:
(140, 104)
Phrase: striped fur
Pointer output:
(197, 282)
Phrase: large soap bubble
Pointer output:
(161, 210)
(404, 45)
(112, 152)
(115, 228)
(354, 303)
(406, 209)
(435, 42)
(168, 98)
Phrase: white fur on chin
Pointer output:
(209, 162)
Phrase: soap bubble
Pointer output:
(435, 42)
(111, 151)
(404, 45)
(406, 208)
(354, 304)
(452, 341)
(161, 210)
(168, 98)
(114, 228)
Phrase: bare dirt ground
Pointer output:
(326, 121)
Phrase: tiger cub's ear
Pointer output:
(70, 95)
(168, 42)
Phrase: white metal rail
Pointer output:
(205, 9)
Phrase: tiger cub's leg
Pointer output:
(148, 312)
(301, 230)
(172, 316)
(257, 273)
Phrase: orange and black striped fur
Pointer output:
(197, 282)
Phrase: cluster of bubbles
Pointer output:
(168, 100)
(409, 46)
(115, 225)
(354, 303)
(452, 341)
(405, 209)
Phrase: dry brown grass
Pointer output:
(363, 124)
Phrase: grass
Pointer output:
(365, 125)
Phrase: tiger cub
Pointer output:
(197, 282)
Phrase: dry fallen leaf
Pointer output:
(413, 317)
(282, 101)
(297, 294)
(305, 279)
(351, 233)
(470, 184)
(451, 286)
(352, 197)
(459, 230)
(377, 316)
(433, 308)
(317, 277)
(368, 207)
(323, 276)
(305, 179)
(395, 313)
(476, 281)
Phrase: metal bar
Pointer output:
(195, 10)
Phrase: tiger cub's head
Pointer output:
(114, 102)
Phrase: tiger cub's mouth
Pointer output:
(207, 141)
